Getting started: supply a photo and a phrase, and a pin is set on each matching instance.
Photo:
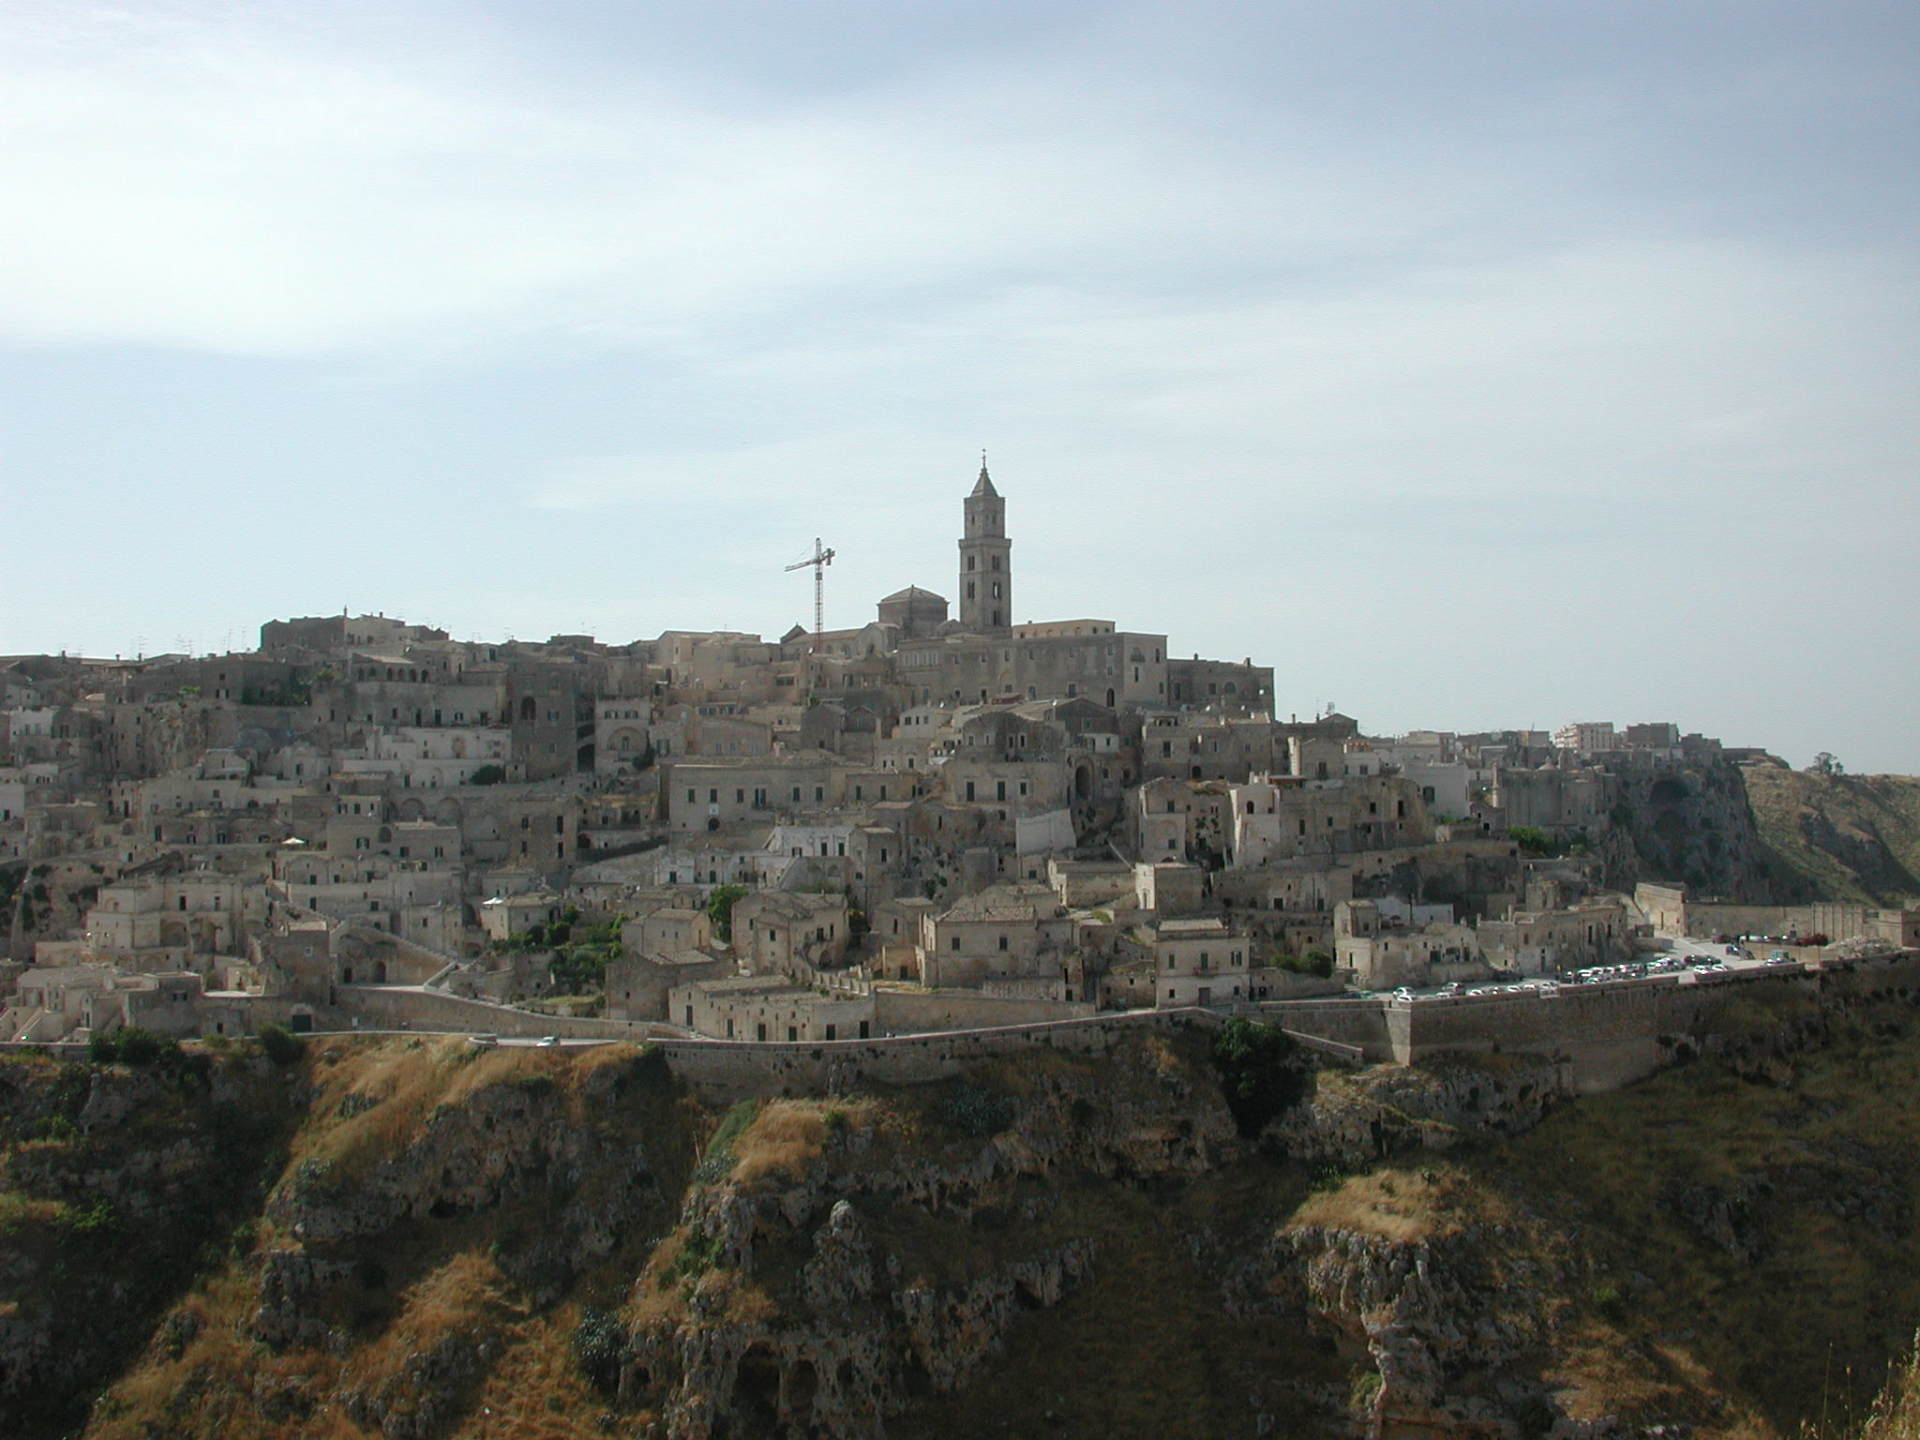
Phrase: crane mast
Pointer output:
(819, 560)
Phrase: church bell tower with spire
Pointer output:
(986, 560)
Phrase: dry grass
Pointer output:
(400, 1080)
(1808, 1319)
(1896, 1412)
(463, 1295)
(785, 1138)
(1398, 1205)
(444, 1278)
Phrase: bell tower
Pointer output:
(986, 559)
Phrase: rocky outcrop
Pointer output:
(857, 1348)
(1690, 823)
(862, 1329)
(517, 1142)
(97, 1163)
(1353, 1120)
(1451, 1324)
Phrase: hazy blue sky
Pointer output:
(1472, 364)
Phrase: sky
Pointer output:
(1474, 365)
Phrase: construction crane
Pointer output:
(819, 560)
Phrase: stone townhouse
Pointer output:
(50, 1002)
(668, 930)
(1282, 818)
(425, 758)
(737, 855)
(1006, 790)
(1209, 747)
(1003, 932)
(201, 913)
(1167, 816)
(506, 917)
(1222, 686)
(1558, 801)
(622, 733)
(1198, 961)
(637, 986)
(707, 795)
(1382, 954)
(766, 1008)
(777, 933)
(1548, 942)
(375, 888)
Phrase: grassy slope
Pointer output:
(1660, 1320)
(435, 1281)
(1791, 1309)
(1845, 837)
(167, 1177)
(1798, 1304)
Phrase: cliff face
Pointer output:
(116, 1186)
(516, 1243)
(1693, 824)
(1839, 837)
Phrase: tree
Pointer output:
(1260, 1076)
(720, 910)
(139, 1046)
(1533, 841)
(281, 1045)
(1825, 764)
(487, 775)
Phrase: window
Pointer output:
(1003, 942)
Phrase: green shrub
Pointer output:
(975, 1111)
(102, 1048)
(716, 1162)
(599, 1344)
(281, 1045)
(139, 1046)
(720, 909)
(1260, 1074)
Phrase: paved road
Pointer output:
(1683, 961)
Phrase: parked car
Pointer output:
(548, 1040)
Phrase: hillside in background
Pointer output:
(1838, 837)
(551, 1243)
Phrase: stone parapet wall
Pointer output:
(727, 1070)
(384, 1007)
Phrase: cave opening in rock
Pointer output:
(756, 1394)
